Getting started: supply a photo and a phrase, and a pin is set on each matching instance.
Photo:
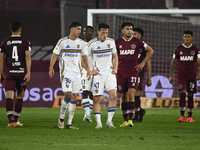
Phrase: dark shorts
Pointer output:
(141, 80)
(125, 83)
(188, 85)
(12, 84)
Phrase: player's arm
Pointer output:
(87, 67)
(52, 63)
(198, 62)
(115, 63)
(172, 68)
(28, 66)
(148, 73)
(148, 56)
(1, 64)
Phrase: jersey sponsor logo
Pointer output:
(186, 58)
(21, 70)
(103, 55)
(16, 42)
(71, 55)
(127, 52)
(16, 64)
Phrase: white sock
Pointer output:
(97, 117)
(111, 112)
(91, 105)
(86, 104)
(63, 109)
(71, 111)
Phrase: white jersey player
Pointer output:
(103, 51)
(70, 49)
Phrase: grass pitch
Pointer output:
(159, 130)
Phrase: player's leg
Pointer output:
(182, 105)
(91, 101)
(86, 105)
(110, 85)
(137, 106)
(131, 105)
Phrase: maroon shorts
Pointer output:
(188, 85)
(12, 84)
(124, 83)
(141, 80)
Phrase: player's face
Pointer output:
(127, 31)
(187, 39)
(102, 34)
(136, 35)
(87, 33)
(76, 31)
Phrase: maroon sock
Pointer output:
(131, 107)
(190, 105)
(137, 107)
(182, 103)
(124, 111)
(18, 109)
(9, 109)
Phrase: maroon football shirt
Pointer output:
(14, 49)
(128, 55)
(186, 61)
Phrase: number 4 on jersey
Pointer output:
(14, 53)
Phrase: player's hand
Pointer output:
(149, 83)
(171, 79)
(94, 72)
(51, 72)
(27, 77)
(88, 74)
(198, 77)
(140, 66)
(114, 71)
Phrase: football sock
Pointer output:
(137, 106)
(91, 105)
(111, 112)
(97, 116)
(182, 103)
(18, 109)
(190, 105)
(124, 111)
(71, 111)
(63, 108)
(9, 109)
(131, 106)
(86, 106)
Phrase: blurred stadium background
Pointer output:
(45, 21)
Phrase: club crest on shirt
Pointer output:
(108, 45)
(78, 46)
(180, 86)
(192, 53)
(83, 86)
(96, 91)
(133, 46)
(67, 85)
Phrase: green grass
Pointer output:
(159, 130)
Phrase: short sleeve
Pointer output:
(84, 49)
(57, 48)
(114, 50)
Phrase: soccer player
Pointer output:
(17, 70)
(139, 112)
(87, 97)
(70, 49)
(127, 76)
(187, 55)
(105, 59)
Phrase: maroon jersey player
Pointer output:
(139, 112)
(128, 68)
(16, 70)
(187, 56)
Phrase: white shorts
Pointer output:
(107, 81)
(71, 84)
(86, 84)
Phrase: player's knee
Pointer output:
(68, 96)
(113, 97)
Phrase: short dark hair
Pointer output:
(74, 24)
(90, 27)
(188, 32)
(139, 30)
(15, 25)
(126, 24)
(102, 26)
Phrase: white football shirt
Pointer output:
(101, 53)
(70, 52)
